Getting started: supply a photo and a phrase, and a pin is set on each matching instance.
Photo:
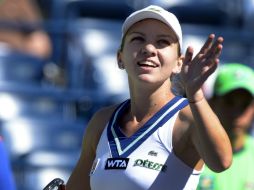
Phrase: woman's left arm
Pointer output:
(209, 136)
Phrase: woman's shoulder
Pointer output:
(100, 119)
(185, 114)
(96, 126)
(184, 122)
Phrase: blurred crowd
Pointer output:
(58, 65)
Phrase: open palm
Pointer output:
(195, 71)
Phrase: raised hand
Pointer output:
(196, 71)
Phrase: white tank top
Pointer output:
(145, 160)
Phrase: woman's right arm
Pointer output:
(79, 179)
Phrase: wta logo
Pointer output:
(116, 163)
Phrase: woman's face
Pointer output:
(150, 52)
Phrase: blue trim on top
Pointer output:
(148, 128)
(114, 116)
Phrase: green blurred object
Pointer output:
(234, 76)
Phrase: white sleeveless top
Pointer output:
(145, 160)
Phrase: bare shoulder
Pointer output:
(182, 127)
(100, 118)
(185, 125)
(98, 122)
(185, 115)
(91, 138)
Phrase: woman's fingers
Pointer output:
(205, 48)
(215, 50)
(211, 49)
(218, 50)
(212, 55)
(210, 70)
(207, 44)
(188, 56)
(206, 61)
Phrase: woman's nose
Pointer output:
(149, 49)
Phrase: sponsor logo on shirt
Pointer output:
(152, 153)
(116, 163)
(150, 165)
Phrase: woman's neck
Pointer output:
(148, 104)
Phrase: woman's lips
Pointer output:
(147, 64)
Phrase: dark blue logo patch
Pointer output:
(116, 163)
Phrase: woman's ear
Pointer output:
(119, 61)
(178, 66)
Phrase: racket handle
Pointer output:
(57, 182)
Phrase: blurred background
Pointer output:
(58, 66)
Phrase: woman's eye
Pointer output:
(137, 38)
(164, 42)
